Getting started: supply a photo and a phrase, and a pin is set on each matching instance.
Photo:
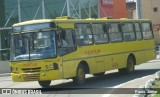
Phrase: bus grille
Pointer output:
(32, 74)
(31, 70)
(32, 77)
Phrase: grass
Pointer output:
(157, 85)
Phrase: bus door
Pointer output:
(66, 48)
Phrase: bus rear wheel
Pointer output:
(44, 83)
(130, 66)
(79, 79)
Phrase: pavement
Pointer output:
(5, 74)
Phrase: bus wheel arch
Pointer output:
(86, 66)
(130, 65)
(81, 70)
(133, 56)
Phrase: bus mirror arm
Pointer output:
(6, 41)
(6, 38)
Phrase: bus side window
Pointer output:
(138, 31)
(83, 34)
(128, 31)
(115, 35)
(99, 33)
(67, 41)
(147, 31)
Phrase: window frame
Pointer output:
(155, 9)
(105, 32)
(75, 27)
(151, 29)
(119, 29)
(74, 47)
(128, 32)
(140, 27)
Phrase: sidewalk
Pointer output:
(133, 84)
(5, 74)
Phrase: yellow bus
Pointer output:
(63, 48)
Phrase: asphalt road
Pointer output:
(111, 79)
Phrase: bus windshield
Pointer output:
(33, 45)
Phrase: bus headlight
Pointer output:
(51, 66)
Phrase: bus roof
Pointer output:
(79, 20)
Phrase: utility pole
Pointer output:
(139, 9)
(43, 9)
(19, 10)
(68, 9)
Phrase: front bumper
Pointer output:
(36, 76)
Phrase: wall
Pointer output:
(148, 13)
(131, 10)
(4, 67)
(147, 10)
(113, 8)
(119, 9)
(106, 8)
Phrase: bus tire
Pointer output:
(99, 74)
(130, 66)
(79, 79)
(44, 83)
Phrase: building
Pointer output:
(146, 9)
(113, 8)
(131, 9)
(151, 10)
(14, 11)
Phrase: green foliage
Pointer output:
(157, 85)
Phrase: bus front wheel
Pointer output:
(130, 66)
(44, 83)
(79, 79)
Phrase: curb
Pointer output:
(5, 74)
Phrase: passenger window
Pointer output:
(115, 34)
(66, 41)
(99, 33)
(147, 31)
(83, 34)
(128, 32)
(138, 31)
